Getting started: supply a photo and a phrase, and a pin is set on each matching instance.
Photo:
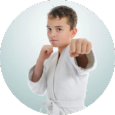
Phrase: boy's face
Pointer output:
(59, 30)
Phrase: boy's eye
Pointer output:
(58, 28)
(48, 28)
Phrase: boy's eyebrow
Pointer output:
(55, 26)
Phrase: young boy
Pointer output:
(63, 74)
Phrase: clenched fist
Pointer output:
(45, 52)
(80, 46)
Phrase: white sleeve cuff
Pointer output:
(38, 87)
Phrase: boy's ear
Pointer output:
(74, 32)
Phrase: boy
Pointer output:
(64, 74)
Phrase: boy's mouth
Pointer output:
(53, 40)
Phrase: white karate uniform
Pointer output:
(65, 82)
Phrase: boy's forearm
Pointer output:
(37, 73)
(82, 60)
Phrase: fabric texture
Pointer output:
(65, 82)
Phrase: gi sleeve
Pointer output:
(92, 62)
(39, 87)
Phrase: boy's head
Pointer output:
(61, 25)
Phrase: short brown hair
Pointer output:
(64, 11)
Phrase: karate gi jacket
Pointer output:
(65, 82)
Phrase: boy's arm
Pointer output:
(82, 60)
(84, 63)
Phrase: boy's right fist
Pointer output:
(46, 52)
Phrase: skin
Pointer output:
(62, 34)
(80, 46)
(58, 29)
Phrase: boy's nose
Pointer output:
(52, 34)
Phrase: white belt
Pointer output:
(54, 105)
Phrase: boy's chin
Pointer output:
(54, 45)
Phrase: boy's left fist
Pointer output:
(79, 47)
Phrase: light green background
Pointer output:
(27, 34)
